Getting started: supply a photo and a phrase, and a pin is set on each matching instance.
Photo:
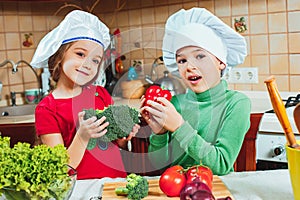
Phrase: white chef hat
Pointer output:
(199, 27)
(77, 25)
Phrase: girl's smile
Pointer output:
(81, 62)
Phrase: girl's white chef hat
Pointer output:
(77, 25)
(199, 27)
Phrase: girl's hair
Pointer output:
(54, 63)
(55, 60)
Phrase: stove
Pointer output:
(270, 141)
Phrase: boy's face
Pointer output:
(81, 61)
(199, 69)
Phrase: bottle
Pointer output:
(132, 75)
(45, 81)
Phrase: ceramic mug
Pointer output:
(293, 157)
(32, 96)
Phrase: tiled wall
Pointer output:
(273, 34)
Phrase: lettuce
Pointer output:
(40, 172)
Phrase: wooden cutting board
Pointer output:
(219, 190)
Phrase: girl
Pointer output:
(207, 124)
(73, 51)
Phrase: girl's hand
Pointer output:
(161, 116)
(122, 142)
(91, 128)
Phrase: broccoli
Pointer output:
(136, 188)
(121, 119)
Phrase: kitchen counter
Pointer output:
(259, 99)
(252, 185)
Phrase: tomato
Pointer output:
(200, 172)
(172, 181)
(155, 91)
(201, 177)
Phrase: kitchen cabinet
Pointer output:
(246, 160)
(138, 161)
(19, 132)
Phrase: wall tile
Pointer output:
(161, 14)
(243, 87)
(293, 5)
(294, 64)
(279, 64)
(261, 85)
(278, 43)
(282, 82)
(135, 17)
(27, 54)
(13, 55)
(257, 6)
(276, 5)
(28, 74)
(294, 41)
(273, 34)
(239, 7)
(11, 23)
(222, 8)
(13, 41)
(293, 21)
(25, 23)
(2, 39)
(262, 63)
(4, 74)
(258, 24)
(277, 22)
(1, 24)
(294, 83)
(16, 78)
(39, 23)
(209, 5)
(123, 18)
(147, 16)
(259, 44)
(190, 5)
(174, 8)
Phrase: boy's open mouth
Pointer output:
(194, 79)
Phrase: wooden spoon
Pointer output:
(280, 112)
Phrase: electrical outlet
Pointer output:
(242, 75)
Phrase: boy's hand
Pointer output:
(161, 116)
(122, 142)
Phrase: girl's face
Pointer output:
(199, 69)
(81, 62)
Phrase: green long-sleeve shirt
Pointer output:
(216, 122)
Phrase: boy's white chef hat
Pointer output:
(77, 25)
(199, 27)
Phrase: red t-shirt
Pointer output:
(61, 116)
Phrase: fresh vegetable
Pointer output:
(154, 91)
(137, 187)
(202, 172)
(172, 181)
(40, 172)
(196, 190)
(121, 119)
